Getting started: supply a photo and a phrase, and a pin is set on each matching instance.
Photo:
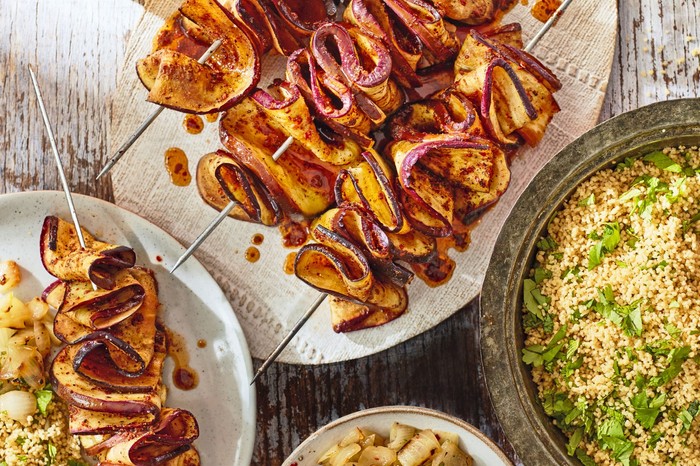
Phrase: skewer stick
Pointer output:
(151, 118)
(59, 165)
(550, 22)
(203, 235)
(283, 344)
(300, 323)
(222, 215)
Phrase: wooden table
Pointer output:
(77, 47)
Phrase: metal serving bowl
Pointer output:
(513, 393)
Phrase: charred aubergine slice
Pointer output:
(175, 79)
(63, 257)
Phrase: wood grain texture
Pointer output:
(78, 46)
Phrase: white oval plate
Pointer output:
(471, 440)
(193, 306)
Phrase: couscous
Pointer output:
(612, 313)
(41, 440)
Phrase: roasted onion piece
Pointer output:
(337, 266)
(122, 320)
(332, 100)
(298, 180)
(512, 88)
(284, 25)
(221, 179)
(368, 185)
(448, 112)
(176, 80)
(171, 436)
(431, 172)
(439, 40)
(287, 107)
(363, 63)
(357, 226)
(380, 22)
(63, 257)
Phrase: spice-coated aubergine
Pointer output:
(176, 80)
(63, 257)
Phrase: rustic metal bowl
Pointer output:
(513, 393)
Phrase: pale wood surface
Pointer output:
(78, 46)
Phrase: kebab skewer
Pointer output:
(314, 93)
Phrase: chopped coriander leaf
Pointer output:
(542, 274)
(547, 244)
(20, 440)
(646, 410)
(571, 271)
(530, 303)
(574, 441)
(607, 244)
(643, 204)
(584, 458)
(674, 305)
(611, 435)
(43, 398)
(676, 358)
(2, 463)
(588, 201)
(537, 355)
(672, 330)
(627, 163)
(688, 223)
(687, 415)
(50, 453)
(654, 439)
(72, 462)
(659, 348)
(557, 405)
(678, 189)
(631, 194)
(663, 162)
(628, 317)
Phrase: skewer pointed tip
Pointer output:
(285, 341)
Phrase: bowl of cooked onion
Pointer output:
(398, 435)
(589, 315)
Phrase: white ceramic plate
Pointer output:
(471, 440)
(193, 306)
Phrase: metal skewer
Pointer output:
(151, 118)
(283, 344)
(300, 323)
(222, 215)
(550, 22)
(59, 165)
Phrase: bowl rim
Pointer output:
(399, 409)
(533, 435)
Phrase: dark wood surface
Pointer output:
(78, 46)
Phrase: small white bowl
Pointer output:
(471, 440)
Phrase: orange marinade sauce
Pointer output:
(177, 165)
(252, 254)
(193, 124)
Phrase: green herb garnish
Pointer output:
(687, 415)
(628, 317)
(663, 162)
(607, 244)
(588, 201)
(537, 355)
(43, 398)
(646, 410)
(676, 358)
